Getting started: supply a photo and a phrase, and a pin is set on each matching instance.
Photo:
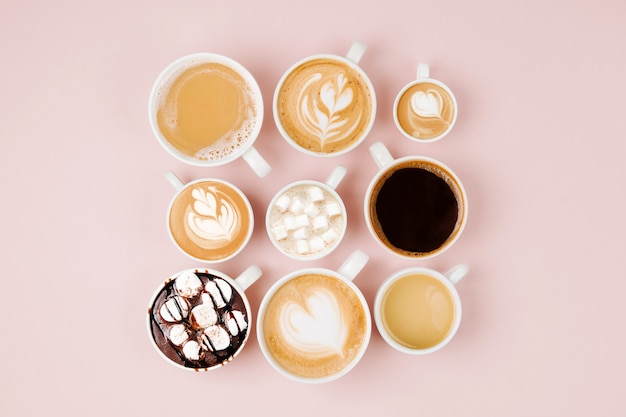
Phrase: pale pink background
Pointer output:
(539, 143)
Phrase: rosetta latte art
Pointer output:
(321, 102)
(317, 327)
(212, 218)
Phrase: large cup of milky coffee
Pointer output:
(314, 324)
(307, 219)
(418, 310)
(210, 219)
(206, 110)
(415, 206)
(425, 110)
(324, 105)
(199, 319)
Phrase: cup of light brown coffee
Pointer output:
(206, 110)
(418, 310)
(210, 219)
(425, 110)
(314, 324)
(325, 105)
(415, 206)
(200, 319)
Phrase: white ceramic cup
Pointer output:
(244, 149)
(312, 327)
(412, 320)
(208, 244)
(306, 220)
(230, 320)
(429, 108)
(388, 164)
(324, 113)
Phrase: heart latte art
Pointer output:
(425, 111)
(209, 220)
(324, 105)
(314, 326)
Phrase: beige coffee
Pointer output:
(324, 105)
(418, 311)
(207, 111)
(210, 220)
(314, 326)
(425, 111)
(306, 220)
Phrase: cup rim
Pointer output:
(269, 294)
(250, 211)
(393, 278)
(397, 161)
(221, 275)
(346, 61)
(175, 67)
(328, 249)
(404, 90)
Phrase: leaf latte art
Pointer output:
(324, 105)
(212, 220)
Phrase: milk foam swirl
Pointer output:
(213, 218)
(317, 326)
(322, 118)
(427, 103)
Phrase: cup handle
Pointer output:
(174, 180)
(455, 274)
(248, 277)
(336, 176)
(356, 51)
(256, 162)
(354, 264)
(381, 154)
(423, 71)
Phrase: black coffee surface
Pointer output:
(416, 209)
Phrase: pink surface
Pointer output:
(539, 144)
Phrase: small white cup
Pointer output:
(307, 220)
(234, 148)
(413, 321)
(179, 225)
(312, 318)
(230, 320)
(325, 113)
(425, 110)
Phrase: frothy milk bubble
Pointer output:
(306, 220)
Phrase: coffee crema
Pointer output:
(314, 326)
(210, 220)
(324, 105)
(198, 320)
(418, 311)
(425, 110)
(207, 111)
(416, 208)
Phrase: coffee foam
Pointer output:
(306, 220)
(425, 110)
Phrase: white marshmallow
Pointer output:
(302, 247)
(320, 223)
(221, 292)
(317, 244)
(300, 234)
(280, 232)
(203, 316)
(235, 322)
(178, 334)
(332, 209)
(174, 309)
(330, 235)
(302, 220)
(282, 203)
(290, 223)
(188, 284)
(191, 350)
(215, 338)
(316, 194)
(312, 210)
(297, 205)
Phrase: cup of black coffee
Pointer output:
(415, 206)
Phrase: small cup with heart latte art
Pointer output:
(425, 110)
(314, 324)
